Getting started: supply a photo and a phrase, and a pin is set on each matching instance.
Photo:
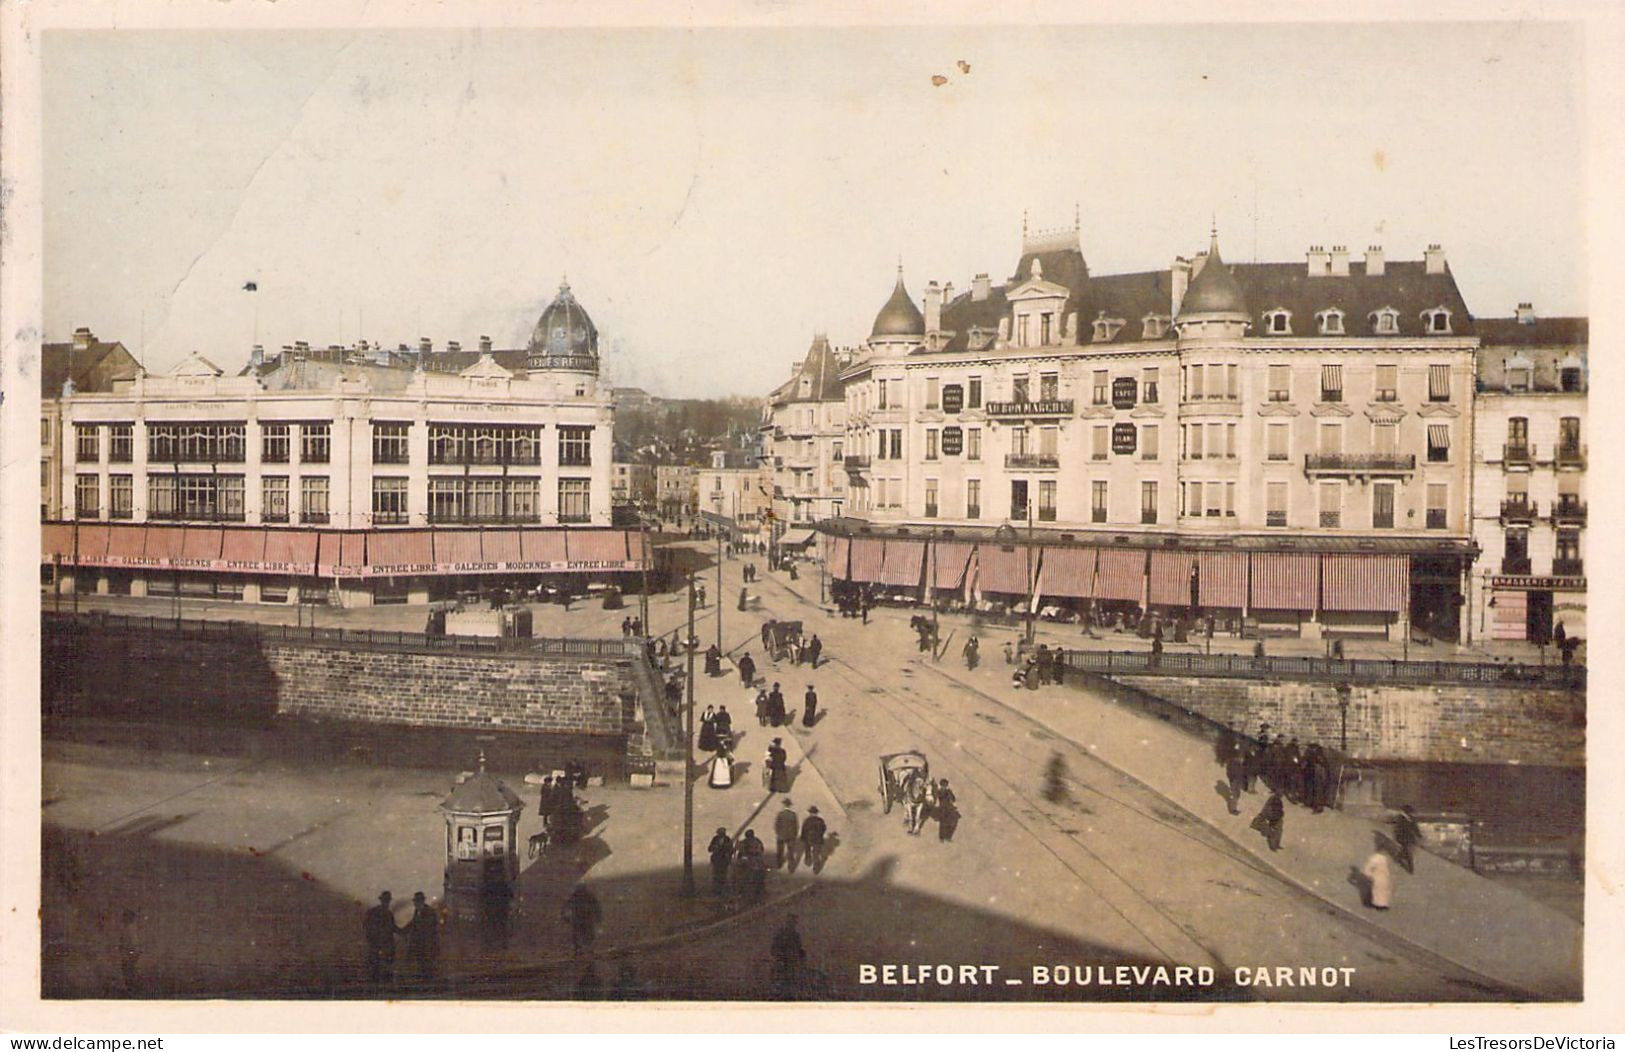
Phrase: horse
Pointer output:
(916, 795)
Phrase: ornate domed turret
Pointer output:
(1215, 290)
(563, 331)
(899, 317)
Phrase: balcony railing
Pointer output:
(1515, 566)
(1051, 407)
(1569, 511)
(1331, 520)
(1275, 518)
(1148, 516)
(1570, 456)
(1568, 568)
(1517, 511)
(1032, 461)
(855, 464)
(1438, 519)
(1046, 514)
(1520, 453)
(973, 511)
(1330, 463)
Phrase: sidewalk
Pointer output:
(1443, 908)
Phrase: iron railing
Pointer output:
(1350, 670)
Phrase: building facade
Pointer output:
(804, 436)
(632, 483)
(734, 492)
(332, 474)
(83, 364)
(676, 489)
(1286, 446)
(1529, 464)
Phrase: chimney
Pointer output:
(933, 307)
(947, 293)
(1340, 261)
(980, 287)
(1180, 278)
(1320, 261)
(1434, 258)
(1526, 314)
(425, 345)
(453, 346)
(301, 346)
(485, 345)
(256, 357)
(1374, 267)
(83, 338)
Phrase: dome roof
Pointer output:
(899, 317)
(564, 329)
(1215, 290)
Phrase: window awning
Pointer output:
(596, 546)
(868, 554)
(1171, 578)
(1069, 572)
(543, 546)
(500, 546)
(201, 544)
(1439, 436)
(91, 544)
(796, 538)
(1002, 570)
(56, 541)
(1439, 383)
(396, 552)
(295, 548)
(901, 563)
(352, 553)
(1285, 582)
(126, 544)
(836, 552)
(1120, 575)
(1379, 583)
(1331, 378)
(244, 546)
(457, 548)
(1223, 579)
(950, 563)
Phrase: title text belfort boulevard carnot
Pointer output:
(1096, 975)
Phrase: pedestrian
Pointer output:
(721, 774)
(626, 627)
(750, 866)
(583, 914)
(129, 949)
(864, 605)
(947, 812)
(724, 724)
(1407, 834)
(809, 707)
(812, 839)
(778, 768)
(1041, 664)
(699, 596)
(747, 670)
(1055, 779)
(545, 798)
(761, 707)
(971, 653)
(1258, 654)
(1253, 766)
(1380, 882)
(713, 660)
(744, 599)
(789, 956)
(1271, 819)
(1156, 649)
(814, 649)
(775, 706)
(721, 850)
(708, 730)
(786, 828)
(767, 634)
(1009, 653)
(1317, 778)
(379, 929)
(423, 938)
(1235, 776)
(1292, 770)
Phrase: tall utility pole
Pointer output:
(689, 644)
(643, 600)
(719, 590)
(1032, 578)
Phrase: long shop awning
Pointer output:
(1366, 583)
(868, 556)
(56, 542)
(399, 553)
(1285, 582)
(201, 545)
(1069, 573)
(544, 548)
(1171, 578)
(1120, 575)
(1222, 579)
(501, 547)
(1003, 569)
(458, 551)
(796, 538)
(901, 564)
(950, 563)
(291, 551)
(836, 551)
(126, 545)
(163, 545)
(595, 547)
(243, 549)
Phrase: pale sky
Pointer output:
(716, 196)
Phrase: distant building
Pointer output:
(734, 492)
(83, 364)
(1530, 454)
(803, 436)
(359, 475)
(675, 489)
(632, 483)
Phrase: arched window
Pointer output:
(1385, 321)
(1331, 322)
(1278, 322)
(1436, 321)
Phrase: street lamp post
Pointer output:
(643, 600)
(719, 588)
(690, 644)
(1032, 578)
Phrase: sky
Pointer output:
(716, 196)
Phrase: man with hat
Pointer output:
(380, 930)
(786, 826)
(721, 849)
(423, 937)
(778, 767)
(812, 839)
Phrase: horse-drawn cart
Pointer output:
(899, 772)
(778, 637)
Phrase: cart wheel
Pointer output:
(885, 800)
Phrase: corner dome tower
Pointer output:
(899, 319)
(564, 331)
(1215, 290)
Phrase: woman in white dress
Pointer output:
(1382, 884)
(722, 770)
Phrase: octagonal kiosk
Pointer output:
(482, 859)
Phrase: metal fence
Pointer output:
(199, 628)
(1351, 670)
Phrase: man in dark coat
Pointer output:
(1317, 778)
(786, 829)
(767, 633)
(778, 768)
(1407, 834)
(721, 850)
(1041, 662)
(1235, 776)
(812, 839)
(423, 938)
(724, 724)
(582, 912)
(775, 706)
(788, 956)
(1292, 770)
(713, 660)
(1271, 820)
(762, 708)
(750, 865)
(379, 929)
(814, 649)
(747, 670)
(947, 811)
(809, 707)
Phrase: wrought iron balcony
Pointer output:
(1570, 456)
(1515, 566)
(1568, 568)
(1517, 510)
(1032, 461)
(1520, 453)
(1358, 463)
(854, 464)
(1049, 407)
(1568, 510)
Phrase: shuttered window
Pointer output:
(1438, 443)
(1331, 383)
(1438, 383)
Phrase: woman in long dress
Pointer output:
(722, 770)
(708, 730)
(1382, 882)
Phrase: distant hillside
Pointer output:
(654, 430)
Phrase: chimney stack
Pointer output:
(1180, 278)
(256, 357)
(1320, 261)
(980, 287)
(1340, 261)
(933, 307)
(453, 346)
(947, 293)
(425, 345)
(1526, 313)
(1374, 266)
(485, 345)
(83, 338)
(1434, 258)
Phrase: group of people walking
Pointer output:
(1301, 774)
(421, 935)
(797, 840)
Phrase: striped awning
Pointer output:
(126, 543)
(868, 555)
(1223, 579)
(246, 546)
(901, 565)
(1439, 383)
(1439, 436)
(596, 546)
(1171, 578)
(163, 542)
(296, 547)
(1069, 572)
(352, 553)
(56, 541)
(92, 543)
(537, 546)
(1003, 569)
(453, 547)
(397, 549)
(501, 546)
(1285, 582)
(202, 543)
(1120, 575)
(836, 552)
(1379, 583)
(1331, 378)
(950, 564)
